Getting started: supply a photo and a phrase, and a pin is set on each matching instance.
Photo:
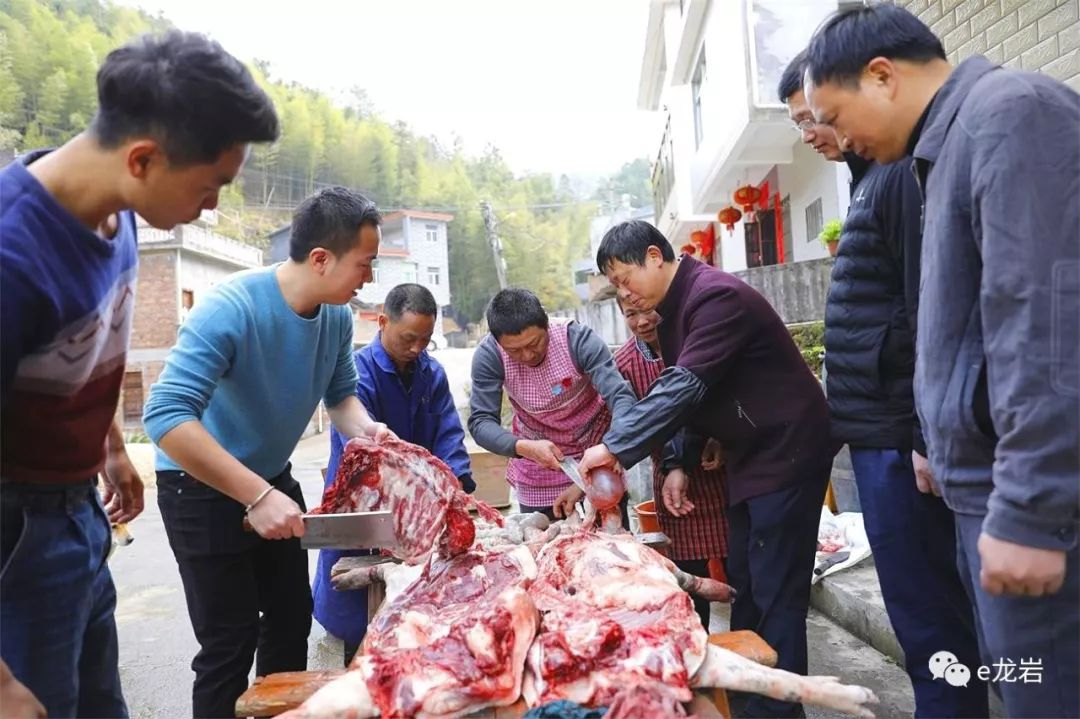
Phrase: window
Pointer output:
(374, 272)
(433, 276)
(695, 95)
(409, 272)
(814, 220)
(431, 233)
(133, 397)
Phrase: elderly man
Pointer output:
(403, 386)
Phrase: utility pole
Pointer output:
(496, 244)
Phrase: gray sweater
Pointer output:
(590, 356)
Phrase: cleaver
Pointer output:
(353, 530)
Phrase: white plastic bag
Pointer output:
(842, 532)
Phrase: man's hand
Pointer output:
(674, 491)
(276, 516)
(123, 488)
(1009, 568)
(16, 701)
(564, 503)
(595, 457)
(541, 451)
(378, 431)
(712, 457)
(924, 478)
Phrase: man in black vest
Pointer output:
(870, 362)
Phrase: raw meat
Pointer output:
(429, 508)
(452, 643)
(613, 617)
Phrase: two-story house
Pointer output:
(713, 66)
(414, 249)
(176, 268)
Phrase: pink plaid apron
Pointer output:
(556, 402)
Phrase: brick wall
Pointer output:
(1039, 35)
(156, 300)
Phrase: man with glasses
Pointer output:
(997, 155)
(870, 361)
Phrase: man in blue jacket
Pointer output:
(997, 155)
(403, 386)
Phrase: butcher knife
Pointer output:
(570, 469)
(353, 530)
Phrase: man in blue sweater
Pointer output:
(248, 370)
(175, 116)
(402, 385)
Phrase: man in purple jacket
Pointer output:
(733, 373)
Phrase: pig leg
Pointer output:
(347, 697)
(704, 587)
(351, 575)
(727, 670)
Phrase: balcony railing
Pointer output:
(196, 238)
(663, 176)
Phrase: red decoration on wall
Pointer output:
(778, 215)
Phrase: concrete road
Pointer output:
(157, 644)
(156, 641)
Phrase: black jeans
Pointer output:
(231, 577)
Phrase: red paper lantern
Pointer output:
(728, 217)
(688, 249)
(746, 197)
(698, 237)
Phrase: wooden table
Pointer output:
(278, 693)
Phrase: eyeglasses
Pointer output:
(804, 126)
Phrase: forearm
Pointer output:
(491, 435)
(654, 418)
(114, 440)
(350, 418)
(199, 454)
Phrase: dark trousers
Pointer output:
(1016, 630)
(244, 593)
(57, 626)
(699, 568)
(772, 540)
(912, 537)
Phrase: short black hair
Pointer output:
(409, 297)
(331, 219)
(791, 81)
(845, 43)
(628, 242)
(514, 310)
(186, 92)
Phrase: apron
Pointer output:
(556, 402)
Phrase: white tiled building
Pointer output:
(712, 66)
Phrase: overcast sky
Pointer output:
(552, 83)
